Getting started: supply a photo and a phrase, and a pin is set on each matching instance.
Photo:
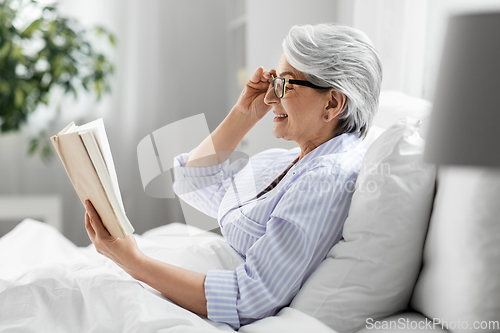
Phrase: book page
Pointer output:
(97, 127)
(89, 139)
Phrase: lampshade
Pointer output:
(465, 122)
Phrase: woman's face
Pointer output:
(300, 114)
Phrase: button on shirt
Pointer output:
(283, 234)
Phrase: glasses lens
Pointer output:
(279, 87)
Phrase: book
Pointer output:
(86, 156)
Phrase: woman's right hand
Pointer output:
(249, 109)
(251, 100)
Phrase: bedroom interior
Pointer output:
(420, 249)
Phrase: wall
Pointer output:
(168, 46)
(437, 19)
(409, 35)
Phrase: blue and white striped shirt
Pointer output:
(284, 234)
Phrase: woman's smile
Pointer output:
(280, 117)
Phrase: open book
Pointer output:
(86, 156)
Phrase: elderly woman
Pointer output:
(285, 218)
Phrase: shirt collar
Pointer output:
(338, 144)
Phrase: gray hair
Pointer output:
(343, 58)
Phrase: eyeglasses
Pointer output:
(279, 85)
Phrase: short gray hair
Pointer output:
(341, 57)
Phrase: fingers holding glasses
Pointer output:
(272, 73)
(251, 100)
(257, 75)
(260, 79)
(266, 76)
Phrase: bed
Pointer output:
(47, 284)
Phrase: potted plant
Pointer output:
(36, 56)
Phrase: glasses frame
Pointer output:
(292, 81)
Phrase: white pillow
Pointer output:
(394, 105)
(460, 279)
(372, 135)
(372, 271)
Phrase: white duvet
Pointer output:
(47, 284)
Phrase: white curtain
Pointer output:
(409, 35)
(398, 30)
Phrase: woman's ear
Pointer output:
(335, 103)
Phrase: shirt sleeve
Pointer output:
(204, 187)
(302, 228)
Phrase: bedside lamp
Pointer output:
(464, 127)
(460, 279)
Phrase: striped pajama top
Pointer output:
(283, 234)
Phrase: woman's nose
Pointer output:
(270, 98)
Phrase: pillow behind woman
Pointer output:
(371, 273)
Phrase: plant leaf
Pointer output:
(18, 98)
(5, 49)
(34, 26)
(112, 39)
(33, 146)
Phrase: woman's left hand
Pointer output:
(123, 251)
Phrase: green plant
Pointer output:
(46, 52)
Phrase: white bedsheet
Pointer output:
(47, 284)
